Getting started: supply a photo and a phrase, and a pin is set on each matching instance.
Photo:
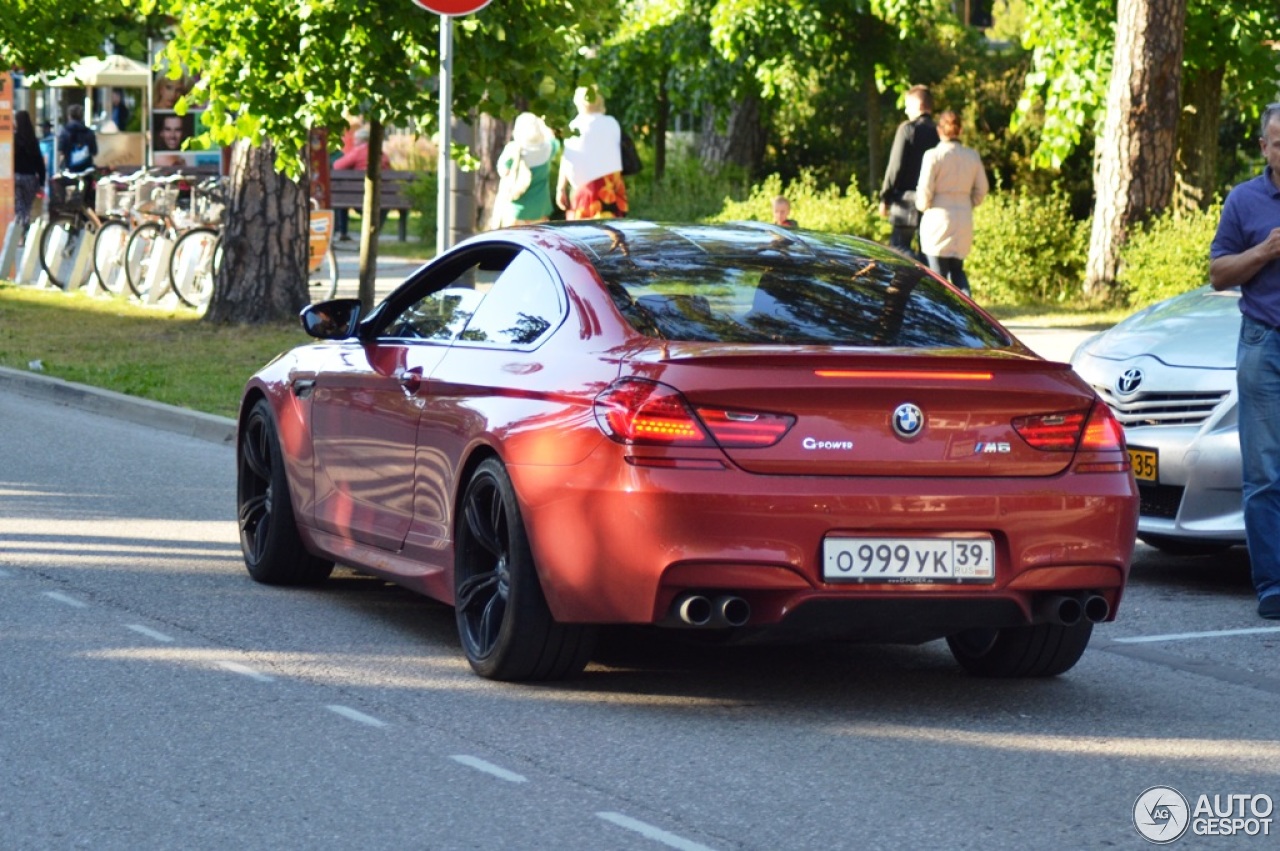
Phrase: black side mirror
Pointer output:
(331, 320)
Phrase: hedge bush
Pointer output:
(813, 207)
(1027, 250)
(1170, 255)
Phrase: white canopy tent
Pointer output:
(115, 71)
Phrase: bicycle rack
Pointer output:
(158, 273)
(29, 271)
(82, 260)
(10, 250)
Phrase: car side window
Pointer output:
(439, 315)
(521, 307)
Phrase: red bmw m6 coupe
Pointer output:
(738, 431)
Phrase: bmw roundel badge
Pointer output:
(908, 420)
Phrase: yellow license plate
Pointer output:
(1146, 465)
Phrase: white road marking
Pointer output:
(355, 715)
(63, 598)
(149, 632)
(489, 768)
(237, 668)
(648, 831)
(1187, 636)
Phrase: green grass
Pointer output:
(167, 355)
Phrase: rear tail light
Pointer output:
(640, 412)
(1102, 433)
(636, 411)
(1058, 432)
(1068, 431)
(745, 429)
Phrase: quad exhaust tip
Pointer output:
(1066, 610)
(698, 610)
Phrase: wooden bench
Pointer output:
(346, 189)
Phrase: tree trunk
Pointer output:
(1133, 165)
(492, 135)
(661, 121)
(371, 217)
(263, 276)
(875, 139)
(742, 143)
(1197, 171)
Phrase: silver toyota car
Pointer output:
(1168, 373)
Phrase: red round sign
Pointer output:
(453, 7)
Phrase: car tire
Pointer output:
(504, 623)
(1184, 546)
(1039, 650)
(273, 550)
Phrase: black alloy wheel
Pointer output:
(273, 550)
(504, 623)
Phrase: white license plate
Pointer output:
(937, 560)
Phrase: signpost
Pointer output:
(447, 10)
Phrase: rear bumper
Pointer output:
(642, 537)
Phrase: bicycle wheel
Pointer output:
(108, 256)
(193, 266)
(59, 245)
(138, 257)
(324, 280)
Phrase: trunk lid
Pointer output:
(845, 405)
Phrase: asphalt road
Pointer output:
(152, 696)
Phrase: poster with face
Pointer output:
(169, 130)
(173, 136)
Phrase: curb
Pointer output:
(120, 406)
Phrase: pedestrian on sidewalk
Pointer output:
(356, 159)
(1245, 253)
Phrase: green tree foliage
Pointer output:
(48, 35)
(1072, 41)
(659, 65)
(272, 70)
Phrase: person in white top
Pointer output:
(952, 182)
(590, 185)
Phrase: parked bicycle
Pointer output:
(70, 221)
(117, 194)
(162, 221)
(197, 255)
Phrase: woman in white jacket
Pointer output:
(590, 185)
(952, 183)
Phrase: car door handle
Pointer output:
(411, 379)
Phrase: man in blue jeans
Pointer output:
(1246, 254)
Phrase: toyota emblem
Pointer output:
(1129, 381)
(908, 420)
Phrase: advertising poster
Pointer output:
(169, 133)
(6, 152)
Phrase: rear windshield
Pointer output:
(835, 293)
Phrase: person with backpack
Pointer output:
(77, 144)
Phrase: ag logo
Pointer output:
(1129, 381)
(1161, 815)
